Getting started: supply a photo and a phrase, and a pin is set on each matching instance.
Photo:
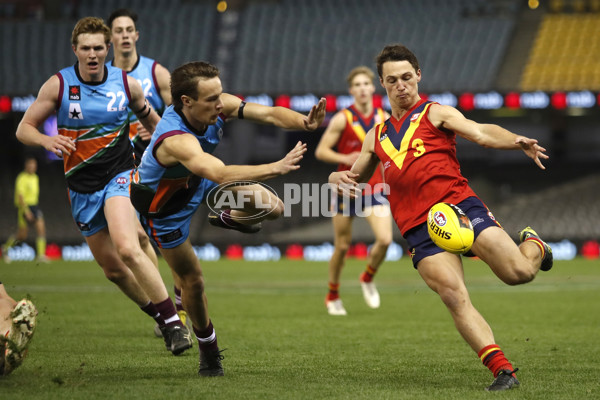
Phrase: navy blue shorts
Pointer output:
(420, 244)
(358, 207)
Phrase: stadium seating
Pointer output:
(564, 56)
(310, 46)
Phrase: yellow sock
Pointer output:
(41, 247)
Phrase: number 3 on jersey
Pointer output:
(113, 99)
(419, 147)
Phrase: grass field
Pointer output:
(93, 343)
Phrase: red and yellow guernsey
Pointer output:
(353, 137)
(94, 115)
(420, 166)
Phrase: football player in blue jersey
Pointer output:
(178, 172)
(91, 102)
(153, 77)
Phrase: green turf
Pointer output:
(93, 343)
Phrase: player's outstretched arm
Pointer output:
(186, 150)
(486, 135)
(278, 116)
(36, 114)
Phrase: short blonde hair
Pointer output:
(90, 25)
(357, 71)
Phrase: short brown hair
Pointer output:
(396, 52)
(90, 25)
(357, 71)
(184, 80)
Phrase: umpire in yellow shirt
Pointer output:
(27, 191)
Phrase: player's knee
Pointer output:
(452, 298)
(128, 253)
(276, 211)
(342, 246)
(194, 283)
(114, 275)
(383, 241)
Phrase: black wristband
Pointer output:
(148, 113)
(143, 108)
(241, 110)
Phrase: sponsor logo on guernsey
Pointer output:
(387, 164)
(75, 111)
(414, 117)
(383, 137)
(74, 92)
(491, 215)
(83, 227)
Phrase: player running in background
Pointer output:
(340, 144)
(178, 172)
(417, 146)
(153, 77)
(27, 193)
(91, 102)
(17, 325)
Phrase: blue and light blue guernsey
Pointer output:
(165, 190)
(94, 115)
(144, 72)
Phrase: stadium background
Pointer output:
(532, 68)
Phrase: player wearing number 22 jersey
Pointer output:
(94, 115)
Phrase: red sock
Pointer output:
(493, 358)
(368, 274)
(539, 243)
(333, 291)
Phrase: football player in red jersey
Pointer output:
(417, 146)
(340, 144)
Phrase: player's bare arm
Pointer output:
(486, 135)
(141, 107)
(36, 114)
(278, 116)
(325, 150)
(364, 167)
(186, 150)
(163, 79)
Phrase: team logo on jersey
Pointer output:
(121, 181)
(75, 111)
(74, 92)
(220, 133)
(414, 117)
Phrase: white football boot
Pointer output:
(335, 307)
(370, 294)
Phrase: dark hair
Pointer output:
(184, 80)
(122, 12)
(90, 25)
(396, 52)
